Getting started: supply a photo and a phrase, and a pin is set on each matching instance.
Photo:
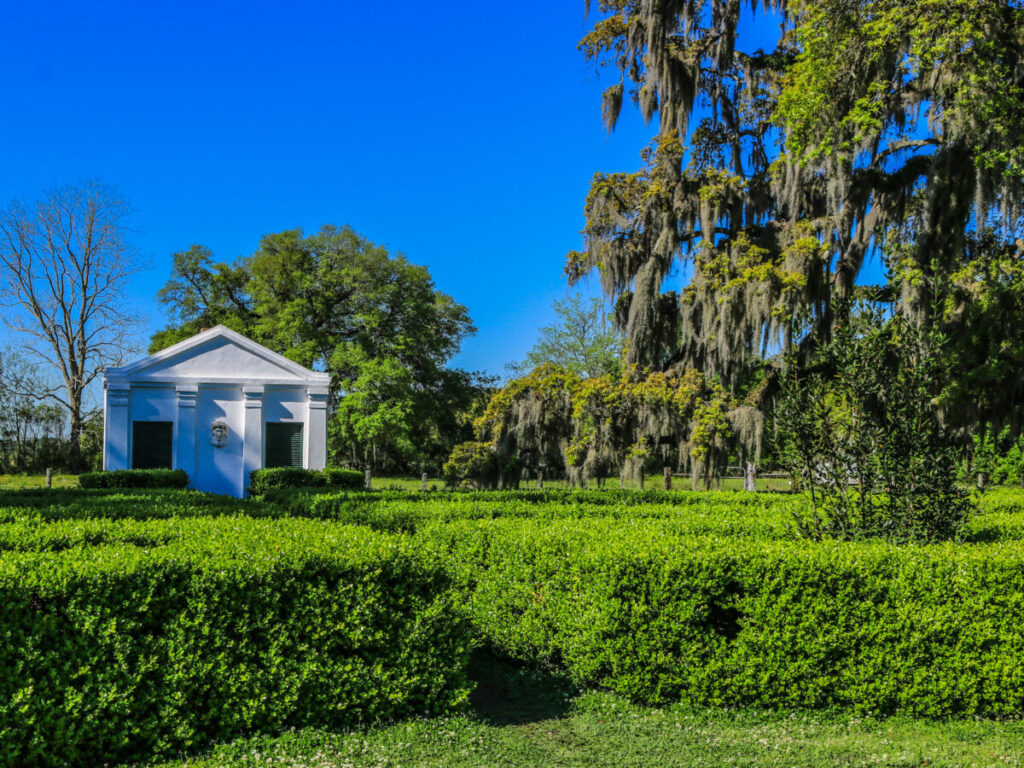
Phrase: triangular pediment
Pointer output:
(216, 355)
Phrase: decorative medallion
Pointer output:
(219, 433)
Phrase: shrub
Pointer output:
(263, 480)
(472, 461)
(134, 478)
(711, 621)
(863, 431)
(185, 631)
(344, 478)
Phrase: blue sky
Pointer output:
(463, 135)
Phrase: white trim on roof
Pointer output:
(218, 332)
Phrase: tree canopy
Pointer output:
(777, 173)
(585, 340)
(336, 301)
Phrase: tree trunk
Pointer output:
(75, 440)
(49, 477)
(540, 479)
(640, 478)
(668, 478)
(750, 478)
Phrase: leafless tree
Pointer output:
(64, 266)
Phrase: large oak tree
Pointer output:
(336, 301)
(868, 127)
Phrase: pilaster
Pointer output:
(252, 434)
(185, 430)
(116, 426)
(316, 428)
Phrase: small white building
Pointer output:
(217, 405)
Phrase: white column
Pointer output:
(252, 434)
(316, 428)
(116, 426)
(185, 430)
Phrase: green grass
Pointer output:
(520, 717)
(19, 482)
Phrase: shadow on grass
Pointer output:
(508, 693)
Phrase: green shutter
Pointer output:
(152, 443)
(283, 445)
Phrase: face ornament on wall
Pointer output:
(219, 433)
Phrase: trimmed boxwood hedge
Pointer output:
(125, 640)
(134, 478)
(273, 478)
(661, 617)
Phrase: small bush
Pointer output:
(135, 478)
(263, 480)
(344, 478)
(472, 461)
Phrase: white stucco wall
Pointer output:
(215, 376)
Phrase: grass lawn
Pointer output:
(18, 482)
(524, 718)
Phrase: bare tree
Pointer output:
(64, 268)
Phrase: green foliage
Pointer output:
(860, 123)
(273, 478)
(660, 616)
(337, 302)
(344, 478)
(629, 424)
(118, 621)
(263, 480)
(472, 461)
(584, 341)
(135, 478)
(862, 431)
(134, 639)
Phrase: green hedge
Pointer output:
(263, 480)
(135, 503)
(727, 514)
(344, 478)
(123, 640)
(135, 478)
(661, 617)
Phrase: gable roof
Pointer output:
(217, 355)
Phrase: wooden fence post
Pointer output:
(423, 482)
(49, 477)
(668, 478)
(368, 480)
(540, 479)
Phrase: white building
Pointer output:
(217, 405)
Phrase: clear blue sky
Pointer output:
(463, 135)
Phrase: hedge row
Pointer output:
(263, 480)
(136, 503)
(723, 516)
(663, 617)
(146, 638)
(134, 478)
